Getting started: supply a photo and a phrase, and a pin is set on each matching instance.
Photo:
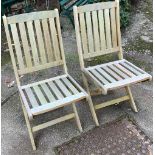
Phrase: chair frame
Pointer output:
(82, 57)
(26, 110)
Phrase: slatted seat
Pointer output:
(37, 41)
(116, 74)
(98, 33)
(51, 94)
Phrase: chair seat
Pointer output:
(116, 74)
(51, 94)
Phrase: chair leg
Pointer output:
(132, 102)
(77, 117)
(29, 128)
(89, 100)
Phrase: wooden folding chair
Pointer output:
(98, 33)
(38, 45)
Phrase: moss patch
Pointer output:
(101, 59)
(139, 45)
(5, 58)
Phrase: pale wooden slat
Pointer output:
(17, 46)
(48, 44)
(124, 70)
(107, 76)
(120, 54)
(76, 84)
(11, 49)
(130, 68)
(40, 67)
(122, 74)
(95, 31)
(33, 43)
(55, 90)
(89, 32)
(78, 37)
(102, 29)
(57, 104)
(96, 6)
(70, 85)
(48, 92)
(83, 33)
(25, 44)
(63, 88)
(112, 73)
(95, 81)
(40, 41)
(55, 121)
(101, 78)
(40, 95)
(31, 97)
(25, 103)
(101, 65)
(55, 39)
(31, 16)
(113, 26)
(111, 102)
(126, 82)
(60, 40)
(129, 63)
(107, 28)
(105, 51)
(43, 81)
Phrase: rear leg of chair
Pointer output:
(132, 102)
(77, 117)
(29, 127)
(89, 100)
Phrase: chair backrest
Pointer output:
(34, 41)
(97, 29)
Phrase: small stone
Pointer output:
(143, 151)
(146, 39)
(133, 148)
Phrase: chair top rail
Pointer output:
(31, 16)
(96, 6)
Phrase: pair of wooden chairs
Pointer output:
(38, 45)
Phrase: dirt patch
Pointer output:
(119, 137)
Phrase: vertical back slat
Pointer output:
(107, 27)
(54, 39)
(17, 46)
(40, 41)
(113, 27)
(25, 44)
(33, 43)
(83, 33)
(120, 54)
(48, 44)
(95, 31)
(89, 32)
(60, 40)
(102, 29)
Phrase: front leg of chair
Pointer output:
(132, 102)
(77, 117)
(28, 127)
(89, 100)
